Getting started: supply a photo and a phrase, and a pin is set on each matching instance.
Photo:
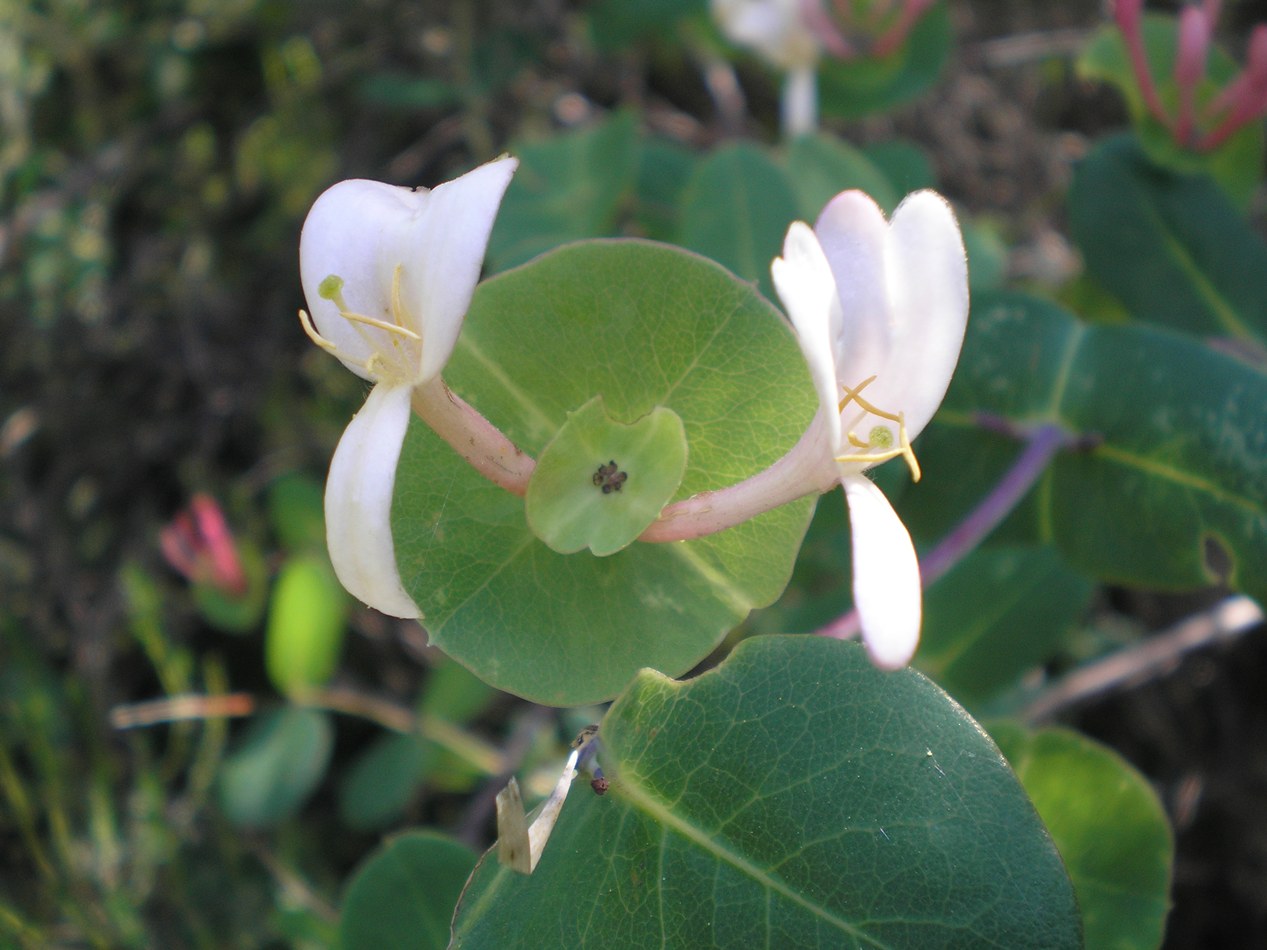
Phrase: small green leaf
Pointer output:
(1109, 827)
(664, 169)
(306, 621)
(295, 509)
(737, 209)
(599, 483)
(567, 187)
(820, 167)
(1172, 247)
(275, 766)
(407, 92)
(382, 780)
(618, 23)
(643, 325)
(793, 797)
(903, 163)
(402, 896)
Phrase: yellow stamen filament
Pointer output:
(376, 362)
(380, 324)
(904, 442)
(317, 338)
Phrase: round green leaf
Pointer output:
(382, 780)
(276, 766)
(568, 187)
(793, 797)
(403, 895)
(996, 615)
(642, 325)
(822, 166)
(582, 493)
(1109, 826)
(736, 210)
(1170, 490)
(1171, 247)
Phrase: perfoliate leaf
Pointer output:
(642, 325)
(856, 87)
(1236, 165)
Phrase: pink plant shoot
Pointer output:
(198, 544)
(1195, 121)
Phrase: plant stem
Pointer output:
(473, 437)
(807, 468)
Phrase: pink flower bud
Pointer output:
(198, 544)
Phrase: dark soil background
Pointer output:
(165, 357)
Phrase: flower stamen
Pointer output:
(880, 437)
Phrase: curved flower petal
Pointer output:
(804, 280)
(443, 253)
(903, 289)
(353, 231)
(364, 231)
(359, 502)
(928, 290)
(854, 234)
(886, 585)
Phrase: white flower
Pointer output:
(879, 309)
(388, 273)
(777, 29)
(780, 32)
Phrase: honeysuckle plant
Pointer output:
(879, 310)
(388, 273)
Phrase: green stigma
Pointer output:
(331, 287)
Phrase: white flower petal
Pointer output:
(443, 253)
(886, 584)
(362, 231)
(853, 234)
(776, 29)
(359, 502)
(804, 281)
(353, 232)
(928, 291)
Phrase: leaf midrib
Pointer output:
(640, 797)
